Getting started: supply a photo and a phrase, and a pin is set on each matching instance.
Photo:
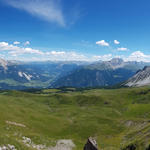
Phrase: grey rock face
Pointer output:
(141, 78)
(91, 144)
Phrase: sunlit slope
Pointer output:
(117, 118)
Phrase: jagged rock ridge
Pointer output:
(141, 78)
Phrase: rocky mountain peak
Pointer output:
(116, 63)
(116, 60)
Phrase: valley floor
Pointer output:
(64, 119)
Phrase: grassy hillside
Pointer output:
(117, 118)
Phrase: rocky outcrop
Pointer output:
(8, 147)
(130, 147)
(148, 148)
(141, 78)
(62, 144)
(91, 144)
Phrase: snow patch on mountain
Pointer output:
(28, 77)
(22, 74)
(3, 63)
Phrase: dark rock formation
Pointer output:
(130, 147)
(91, 144)
(148, 148)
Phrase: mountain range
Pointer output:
(100, 74)
(23, 75)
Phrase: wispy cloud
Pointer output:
(27, 43)
(16, 43)
(122, 49)
(103, 57)
(49, 10)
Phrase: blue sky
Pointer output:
(74, 29)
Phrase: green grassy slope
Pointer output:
(117, 118)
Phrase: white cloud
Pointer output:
(102, 43)
(4, 46)
(116, 42)
(135, 56)
(27, 43)
(18, 52)
(57, 53)
(138, 56)
(26, 53)
(16, 43)
(122, 49)
(49, 10)
(32, 51)
(65, 56)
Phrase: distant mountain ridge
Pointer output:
(105, 73)
(116, 63)
(24, 75)
(112, 64)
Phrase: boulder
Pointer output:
(91, 144)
